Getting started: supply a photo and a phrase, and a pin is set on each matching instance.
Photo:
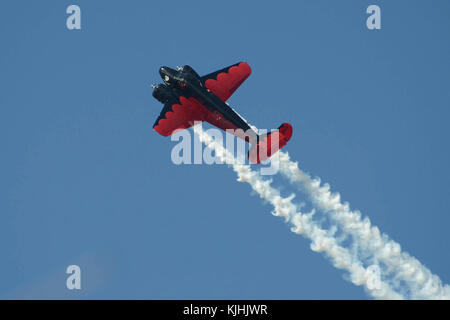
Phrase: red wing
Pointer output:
(178, 116)
(225, 81)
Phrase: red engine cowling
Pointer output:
(270, 144)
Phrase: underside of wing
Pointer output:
(223, 83)
(179, 115)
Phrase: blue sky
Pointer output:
(86, 180)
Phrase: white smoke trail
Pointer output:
(322, 241)
(403, 268)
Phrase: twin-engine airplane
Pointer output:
(188, 98)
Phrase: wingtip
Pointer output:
(287, 130)
(245, 64)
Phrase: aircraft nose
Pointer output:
(162, 71)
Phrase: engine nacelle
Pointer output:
(162, 93)
(190, 71)
(190, 74)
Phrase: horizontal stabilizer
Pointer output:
(270, 144)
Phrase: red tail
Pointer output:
(268, 146)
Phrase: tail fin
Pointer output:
(270, 144)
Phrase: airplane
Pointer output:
(189, 98)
